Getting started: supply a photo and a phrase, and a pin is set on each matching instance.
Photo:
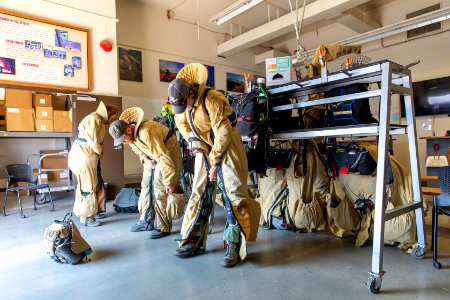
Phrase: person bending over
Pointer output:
(158, 149)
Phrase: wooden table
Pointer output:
(428, 178)
(431, 191)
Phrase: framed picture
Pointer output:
(32, 45)
(38, 53)
(59, 54)
(61, 37)
(72, 46)
(168, 70)
(48, 51)
(76, 62)
(210, 82)
(68, 71)
(7, 66)
(235, 83)
(130, 64)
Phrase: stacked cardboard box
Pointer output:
(44, 112)
(2, 115)
(62, 121)
(61, 118)
(19, 114)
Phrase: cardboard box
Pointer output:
(57, 175)
(59, 102)
(43, 125)
(61, 121)
(19, 119)
(43, 177)
(22, 193)
(18, 98)
(42, 100)
(44, 113)
(54, 161)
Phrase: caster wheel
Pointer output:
(418, 252)
(373, 287)
(40, 199)
(437, 265)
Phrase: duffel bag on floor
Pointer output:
(127, 200)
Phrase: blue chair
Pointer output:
(441, 206)
(23, 173)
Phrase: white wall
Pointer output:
(99, 17)
(432, 51)
(147, 29)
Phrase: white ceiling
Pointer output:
(258, 18)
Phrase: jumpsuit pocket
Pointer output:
(85, 206)
(175, 205)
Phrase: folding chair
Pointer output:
(23, 173)
(441, 206)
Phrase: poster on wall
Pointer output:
(42, 53)
(211, 81)
(235, 83)
(130, 64)
(168, 70)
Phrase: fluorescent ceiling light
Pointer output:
(233, 10)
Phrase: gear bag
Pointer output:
(247, 110)
(353, 158)
(353, 112)
(127, 200)
(64, 243)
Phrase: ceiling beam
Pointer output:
(356, 21)
(314, 12)
(261, 58)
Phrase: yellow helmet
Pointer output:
(166, 109)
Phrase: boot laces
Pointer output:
(231, 249)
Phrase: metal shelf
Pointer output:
(392, 79)
(24, 134)
(359, 130)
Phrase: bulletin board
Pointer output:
(40, 53)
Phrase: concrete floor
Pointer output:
(280, 265)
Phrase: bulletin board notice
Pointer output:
(39, 53)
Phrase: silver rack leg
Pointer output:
(374, 282)
(419, 250)
(380, 201)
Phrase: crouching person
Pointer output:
(206, 116)
(159, 150)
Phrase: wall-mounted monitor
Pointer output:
(431, 97)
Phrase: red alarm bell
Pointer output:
(106, 45)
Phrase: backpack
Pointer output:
(127, 200)
(64, 243)
(353, 112)
(247, 110)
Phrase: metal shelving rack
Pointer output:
(393, 79)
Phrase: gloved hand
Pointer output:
(213, 173)
(150, 163)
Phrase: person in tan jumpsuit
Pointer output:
(206, 121)
(84, 162)
(158, 149)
